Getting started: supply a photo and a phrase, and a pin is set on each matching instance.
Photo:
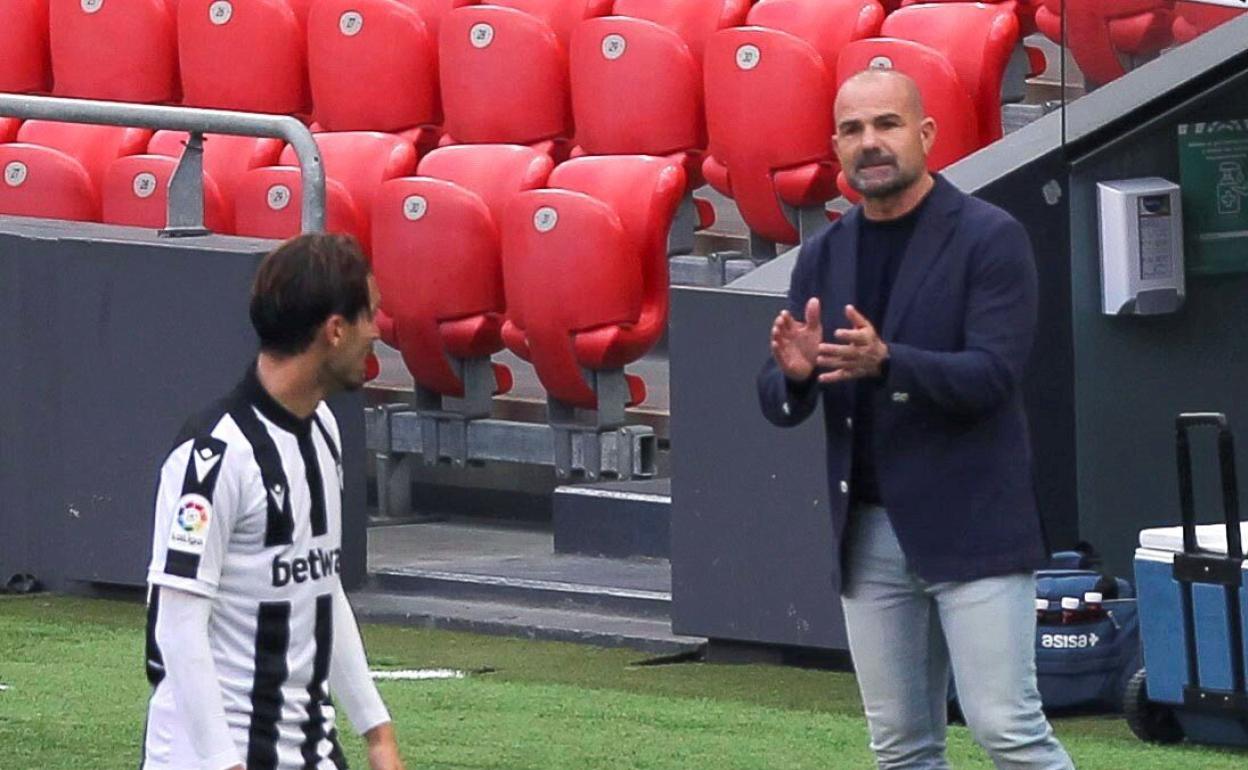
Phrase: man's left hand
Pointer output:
(383, 748)
(858, 353)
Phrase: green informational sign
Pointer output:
(1213, 171)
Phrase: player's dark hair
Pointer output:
(302, 283)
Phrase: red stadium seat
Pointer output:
(585, 270)
(1024, 9)
(268, 201)
(244, 55)
(504, 71)
(389, 45)
(57, 169)
(945, 98)
(1101, 35)
(121, 50)
(8, 129)
(977, 39)
(652, 51)
(1191, 20)
(136, 187)
(437, 257)
(24, 62)
(769, 94)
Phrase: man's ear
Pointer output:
(334, 329)
(927, 130)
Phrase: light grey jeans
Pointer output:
(904, 633)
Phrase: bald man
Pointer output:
(911, 319)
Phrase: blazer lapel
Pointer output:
(931, 233)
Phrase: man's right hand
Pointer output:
(794, 344)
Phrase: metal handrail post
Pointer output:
(191, 119)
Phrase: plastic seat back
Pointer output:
(269, 200)
(977, 39)
(245, 55)
(25, 65)
(1191, 20)
(119, 50)
(136, 188)
(57, 169)
(652, 51)
(388, 45)
(585, 269)
(1100, 34)
(769, 96)
(504, 71)
(437, 256)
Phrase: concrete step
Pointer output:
(525, 592)
(649, 635)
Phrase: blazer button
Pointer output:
(844, 487)
(900, 397)
(849, 423)
(786, 409)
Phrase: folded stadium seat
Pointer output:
(1024, 9)
(268, 200)
(56, 170)
(945, 98)
(24, 62)
(1191, 20)
(979, 40)
(504, 70)
(585, 271)
(120, 50)
(652, 51)
(136, 188)
(1105, 37)
(770, 88)
(245, 55)
(390, 45)
(437, 258)
(8, 129)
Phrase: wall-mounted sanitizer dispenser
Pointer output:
(1141, 246)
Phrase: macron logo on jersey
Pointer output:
(205, 460)
(316, 565)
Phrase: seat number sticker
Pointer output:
(144, 184)
(415, 207)
(15, 174)
(350, 23)
(545, 219)
(279, 197)
(481, 35)
(220, 12)
(748, 57)
(613, 47)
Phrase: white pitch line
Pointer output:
(409, 675)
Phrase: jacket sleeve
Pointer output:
(784, 402)
(999, 330)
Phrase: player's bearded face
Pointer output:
(348, 361)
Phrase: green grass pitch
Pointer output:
(75, 696)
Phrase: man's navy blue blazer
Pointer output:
(952, 453)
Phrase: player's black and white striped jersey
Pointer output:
(248, 514)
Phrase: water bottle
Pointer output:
(1093, 608)
(1045, 614)
(1070, 610)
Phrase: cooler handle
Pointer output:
(1230, 485)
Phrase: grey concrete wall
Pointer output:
(110, 338)
(751, 533)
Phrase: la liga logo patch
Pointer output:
(191, 523)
